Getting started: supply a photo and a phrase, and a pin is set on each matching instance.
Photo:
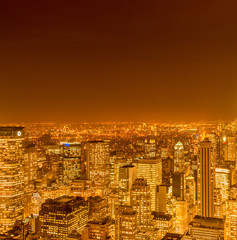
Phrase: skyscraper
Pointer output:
(127, 175)
(151, 170)
(231, 149)
(164, 203)
(231, 215)
(181, 216)
(179, 163)
(98, 163)
(222, 181)
(206, 178)
(11, 176)
(70, 164)
(150, 148)
(179, 185)
(141, 202)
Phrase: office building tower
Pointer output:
(218, 203)
(112, 169)
(164, 203)
(30, 174)
(222, 181)
(126, 223)
(179, 185)
(11, 176)
(30, 166)
(61, 216)
(190, 196)
(127, 175)
(179, 163)
(167, 170)
(231, 216)
(231, 149)
(168, 165)
(206, 178)
(70, 164)
(151, 170)
(113, 203)
(224, 148)
(141, 202)
(71, 149)
(150, 148)
(98, 163)
(54, 162)
(181, 216)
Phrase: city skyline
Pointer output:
(119, 181)
(118, 120)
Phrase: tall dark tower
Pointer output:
(206, 177)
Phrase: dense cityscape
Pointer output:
(118, 181)
(118, 120)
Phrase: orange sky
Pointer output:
(118, 60)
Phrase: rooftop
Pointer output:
(172, 236)
(148, 160)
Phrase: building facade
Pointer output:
(11, 176)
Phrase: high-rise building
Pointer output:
(113, 202)
(126, 223)
(218, 203)
(141, 202)
(127, 175)
(190, 196)
(222, 181)
(151, 170)
(206, 178)
(179, 185)
(231, 216)
(30, 166)
(231, 149)
(179, 163)
(150, 148)
(167, 170)
(70, 164)
(98, 163)
(61, 216)
(164, 202)
(181, 216)
(30, 174)
(11, 176)
(113, 168)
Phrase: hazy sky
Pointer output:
(118, 60)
